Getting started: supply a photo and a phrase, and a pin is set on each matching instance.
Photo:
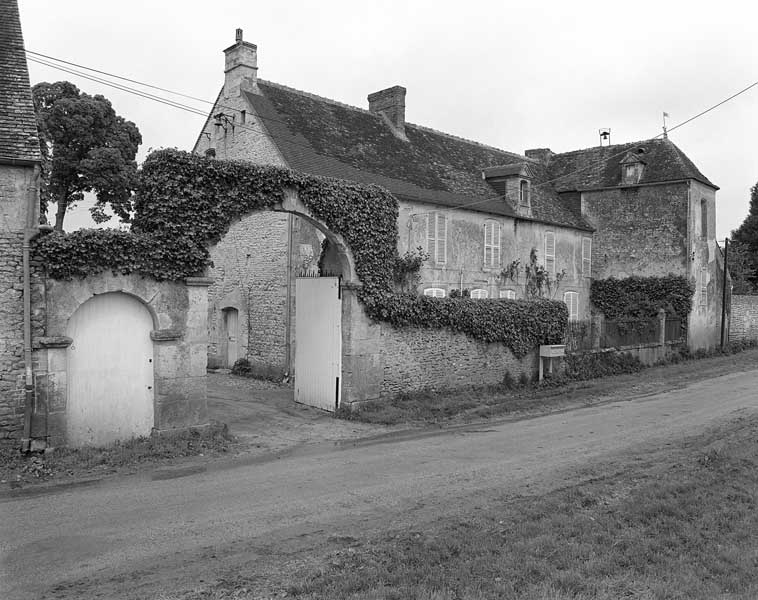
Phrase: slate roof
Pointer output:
(600, 167)
(18, 125)
(323, 137)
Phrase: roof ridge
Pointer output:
(366, 111)
(617, 146)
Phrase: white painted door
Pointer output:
(110, 371)
(318, 341)
(231, 323)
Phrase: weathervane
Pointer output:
(665, 131)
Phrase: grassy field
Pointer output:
(676, 522)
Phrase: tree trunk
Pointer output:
(60, 211)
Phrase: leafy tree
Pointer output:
(86, 147)
(744, 261)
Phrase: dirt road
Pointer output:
(135, 537)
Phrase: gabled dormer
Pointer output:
(632, 167)
(513, 183)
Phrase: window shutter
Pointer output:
(430, 226)
(479, 294)
(550, 251)
(587, 257)
(572, 303)
(434, 292)
(487, 244)
(441, 238)
(496, 244)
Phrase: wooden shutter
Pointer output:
(572, 303)
(587, 257)
(441, 251)
(550, 251)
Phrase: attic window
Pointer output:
(631, 173)
(523, 195)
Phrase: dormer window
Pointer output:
(632, 167)
(512, 183)
(523, 196)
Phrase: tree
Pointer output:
(745, 246)
(86, 147)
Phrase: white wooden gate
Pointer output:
(318, 341)
(110, 371)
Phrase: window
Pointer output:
(479, 294)
(436, 237)
(704, 286)
(523, 194)
(550, 252)
(508, 294)
(572, 302)
(492, 244)
(587, 257)
(632, 173)
(704, 218)
(434, 292)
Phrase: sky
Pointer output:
(514, 75)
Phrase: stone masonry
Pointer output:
(744, 322)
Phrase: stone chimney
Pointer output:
(541, 154)
(390, 103)
(240, 68)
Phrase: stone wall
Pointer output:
(18, 195)
(179, 312)
(641, 230)
(744, 322)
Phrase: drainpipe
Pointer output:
(30, 230)
(288, 302)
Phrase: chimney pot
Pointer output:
(238, 36)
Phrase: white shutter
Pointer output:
(550, 251)
(441, 255)
(508, 294)
(491, 244)
(487, 244)
(434, 292)
(587, 257)
(572, 303)
(431, 224)
(479, 294)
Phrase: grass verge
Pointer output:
(18, 468)
(677, 523)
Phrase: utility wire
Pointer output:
(293, 142)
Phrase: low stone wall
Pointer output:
(418, 358)
(648, 354)
(379, 361)
(743, 324)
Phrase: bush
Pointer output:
(591, 366)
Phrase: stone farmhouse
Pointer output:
(632, 209)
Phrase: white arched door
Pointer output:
(110, 371)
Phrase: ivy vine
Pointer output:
(186, 203)
(640, 298)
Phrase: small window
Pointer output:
(479, 294)
(550, 252)
(492, 244)
(704, 286)
(434, 292)
(587, 257)
(572, 302)
(704, 218)
(436, 237)
(508, 294)
(523, 195)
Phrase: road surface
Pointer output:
(135, 536)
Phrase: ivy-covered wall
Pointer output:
(186, 204)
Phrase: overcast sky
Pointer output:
(514, 75)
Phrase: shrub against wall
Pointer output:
(640, 298)
(186, 203)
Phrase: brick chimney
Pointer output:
(541, 154)
(240, 67)
(390, 103)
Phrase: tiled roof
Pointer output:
(18, 125)
(323, 137)
(601, 166)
